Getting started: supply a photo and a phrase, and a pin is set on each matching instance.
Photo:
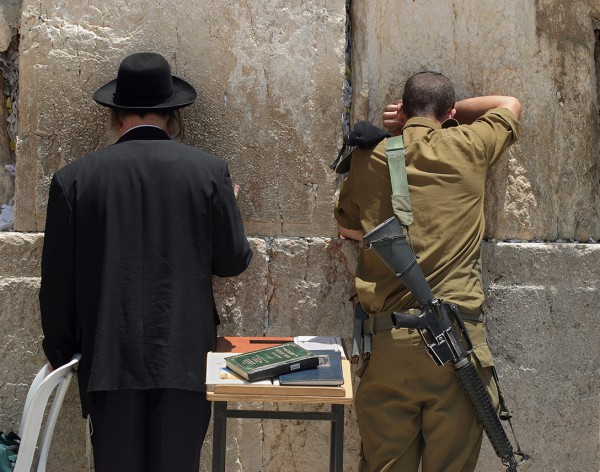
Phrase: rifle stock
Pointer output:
(391, 245)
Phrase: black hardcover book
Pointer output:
(329, 371)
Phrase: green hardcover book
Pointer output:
(272, 361)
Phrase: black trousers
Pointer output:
(159, 430)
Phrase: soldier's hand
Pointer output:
(394, 118)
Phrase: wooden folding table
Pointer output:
(282, 394)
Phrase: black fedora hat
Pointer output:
(144, 83)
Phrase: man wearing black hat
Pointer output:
(134, 234)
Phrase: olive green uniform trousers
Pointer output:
(412, 412)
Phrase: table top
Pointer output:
(286, 394)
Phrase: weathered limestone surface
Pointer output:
(269, 76)
(308, 303)
(595, 7)
(293, 286)
(542, 303)
(21, 352)
(9, 16)
(547, 186)
(283, 292)
(7, 186)
(21, 254)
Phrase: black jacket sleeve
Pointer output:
(231, 251)
(57, 291)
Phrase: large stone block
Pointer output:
(269, 77)
(542, 305)
(546, 186)
(22, 358)
(20, 335)
(7, 185)
(20, 254)
(292, 287)
(20, 348)
(308, 279)
(241, 301)
(9, 17)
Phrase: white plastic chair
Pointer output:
(43, 385)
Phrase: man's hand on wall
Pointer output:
(394, 118)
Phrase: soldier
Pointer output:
(410, 411)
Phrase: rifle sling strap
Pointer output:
(397, 169)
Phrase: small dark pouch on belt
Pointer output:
(361, 339)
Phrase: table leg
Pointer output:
(336, 456)
(221, 413)
(219, 436)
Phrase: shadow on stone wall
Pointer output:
(9, 86)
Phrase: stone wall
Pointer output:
(269, 75)
(6, 158)
(542, 52)
(9, 87)
(312, 273)
(542, 301)
(10, 12)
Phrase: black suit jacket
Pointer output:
(134, 233)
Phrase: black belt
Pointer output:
(383, 321)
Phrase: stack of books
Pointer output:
(272, 361)
(304, 365)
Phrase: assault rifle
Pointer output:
(443, 331)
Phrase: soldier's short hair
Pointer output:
(428, 93)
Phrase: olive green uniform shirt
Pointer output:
(446, 171)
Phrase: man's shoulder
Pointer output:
(167, 148)
(361, 156)
(98, 155)
(497, 125)
(487, 137)
(496, 116)
(488, 122)
(195, 156)
(73, 166)
(502, 112)
(124, 154)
